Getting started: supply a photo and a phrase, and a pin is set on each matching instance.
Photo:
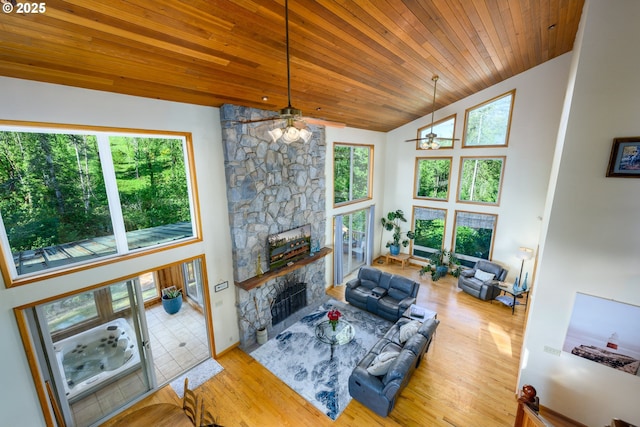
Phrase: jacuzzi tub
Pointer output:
(96, 357)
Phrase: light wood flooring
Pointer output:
(467, 379)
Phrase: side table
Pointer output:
(511, 301)
(419, 313)
(403, 258)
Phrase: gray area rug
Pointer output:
(303, 362)
(197, 376)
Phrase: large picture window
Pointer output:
(71, 196)
(428, 225)
(473, 236)
(351, 173)
(481, 179)
(487, 124)
(432, 178)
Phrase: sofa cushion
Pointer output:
(359, 295)
(384, 345)
(369, 284)
(483, 275)
(400, 288)
(417, 344)
(408, 330)
(385, 279)
(382, 362)
(400, 368)
(369, 273)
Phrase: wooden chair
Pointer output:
(208, 419)
(192, 404)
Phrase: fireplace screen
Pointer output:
(290, 298)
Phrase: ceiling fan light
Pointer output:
(275, 134)
(305, 134)
(435, 145)
(424, 144)
(291, 134)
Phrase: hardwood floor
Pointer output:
(467, 379)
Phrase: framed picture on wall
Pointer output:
(625, 158)
(606, 332)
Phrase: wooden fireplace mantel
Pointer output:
(256, 281)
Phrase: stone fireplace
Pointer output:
(271, 188)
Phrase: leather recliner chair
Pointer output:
(484, 289)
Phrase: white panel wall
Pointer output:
(591, 244)
(535, 120)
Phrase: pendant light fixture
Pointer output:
(294, 129)
(430, 140)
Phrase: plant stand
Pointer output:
(402, 258)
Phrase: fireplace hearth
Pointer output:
(290, 297)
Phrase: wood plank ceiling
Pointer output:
(367, 64)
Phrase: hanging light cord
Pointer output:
(286, 26)
(433, 104)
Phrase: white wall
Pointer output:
(535, 120)
(31, 101)
(590, 244)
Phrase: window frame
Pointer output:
(460, 175)
(369, 195)
(469, 111)
(468, 258)
(7, 266)
(413, 227)
(424, 130)
(416, 178)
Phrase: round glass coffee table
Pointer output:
(344, 333)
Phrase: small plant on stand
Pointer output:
(334, 316)
(392, 223)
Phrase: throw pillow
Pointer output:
(483, 275)
(382, 362)
(408, 330)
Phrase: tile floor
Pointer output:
(178, 342)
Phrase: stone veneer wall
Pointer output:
(271, 187)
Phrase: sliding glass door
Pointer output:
(354, 240)
(96, 349)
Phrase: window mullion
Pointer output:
(351, 173)
(115, 210)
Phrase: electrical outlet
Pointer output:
(552, 350)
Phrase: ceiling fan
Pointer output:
(431, 140)
(295, 124)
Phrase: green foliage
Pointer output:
(489, 123)
(433, 178)
(53, 190)
(392, 223)
(350, 173)
(473, 242)
(441, 258)
(429, 233)
(480, 181)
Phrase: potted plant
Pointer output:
(440, 263)
(171, 299)
(392, 223)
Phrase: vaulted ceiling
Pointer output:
(367, 64)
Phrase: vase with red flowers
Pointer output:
(334, 316)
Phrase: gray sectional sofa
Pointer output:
(381, 293)
(379, 391)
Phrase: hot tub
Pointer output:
(96, 357)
